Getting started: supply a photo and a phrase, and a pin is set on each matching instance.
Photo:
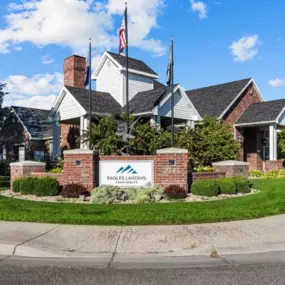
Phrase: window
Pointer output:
(39, 155)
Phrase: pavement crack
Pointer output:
(115, 250)
(40, 235)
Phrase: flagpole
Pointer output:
(172, 96)
(90, 100)
(127, 68)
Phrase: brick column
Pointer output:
(25, 168)
(79, 167)
(171, 167)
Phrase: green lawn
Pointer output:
(270, 201)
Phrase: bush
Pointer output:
(204, 169)
(108, 195)
(281, 173)
(5, 182)
(207, 188)
(256, 173)
(16, 185)
(150, 194)
(175, 192)
(242, 184)
(4, 168)
(227, 186)
(46, 186)
(55, 170)
(133, 193)
(72, 190)
(27, 185)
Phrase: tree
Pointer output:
(104, 137)
(281, 145)
(148, 139)
(211, 141)
(2, 93)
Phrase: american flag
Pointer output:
(122, 33)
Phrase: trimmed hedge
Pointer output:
(46, 186)
(227, 186)
(207, 188)
(27, 185)
(242, 184)
(16, 186)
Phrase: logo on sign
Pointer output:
(128, 170)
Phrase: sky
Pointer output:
(214, 42)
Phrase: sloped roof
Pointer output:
(214, 100)
(134, 64)
(146, 101)
(101, 102)
(157, 84)
(35, 121)
(262, 112)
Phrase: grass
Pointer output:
(270, 201)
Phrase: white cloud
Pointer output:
(46, 59)
(38, 102)
(245, 48)
(38, 91)
(277, 82)
(72, 22)
(200, 7)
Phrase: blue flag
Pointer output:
(88, 69)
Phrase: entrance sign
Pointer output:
(126, 173)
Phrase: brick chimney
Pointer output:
(74, 71)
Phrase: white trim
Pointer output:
(254, 124)
(143, 113)
(25, 128)
(59, 100)
(140, 73)
(119, 66)
(278, 117)
(183, 94)
(241, 92)
(41, 139)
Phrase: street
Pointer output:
(22, 272)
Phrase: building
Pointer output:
(240, 103)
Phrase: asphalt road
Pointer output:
(27, 273)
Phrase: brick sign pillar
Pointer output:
(25, 168)
(171, 167)
(79, 167)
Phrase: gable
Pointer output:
(213, 101)
(69, 108)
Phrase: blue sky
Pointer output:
(215, 41)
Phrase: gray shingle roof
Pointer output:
(133, 63)
(147, 100)
(262, 112)
(213, 101)
(101, 102)
(35, 121)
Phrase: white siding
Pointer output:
(182, 108)
(68, 108)
(137, 84)
(281, 120)
(109, 80)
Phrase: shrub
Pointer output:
(208, 188)
(242, 184)
(5, 182)
(227, 186)
(256, 173)
(108, 195)
(271, 174)
(148, 195)
(204, 169)
(175, 192)
(55, 170)
(281, 173)
(27, 185)
(16, 185)
(72, 190)
(4, 168)
(133, 193)
(46, 186)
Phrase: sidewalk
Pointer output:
(105, 243)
